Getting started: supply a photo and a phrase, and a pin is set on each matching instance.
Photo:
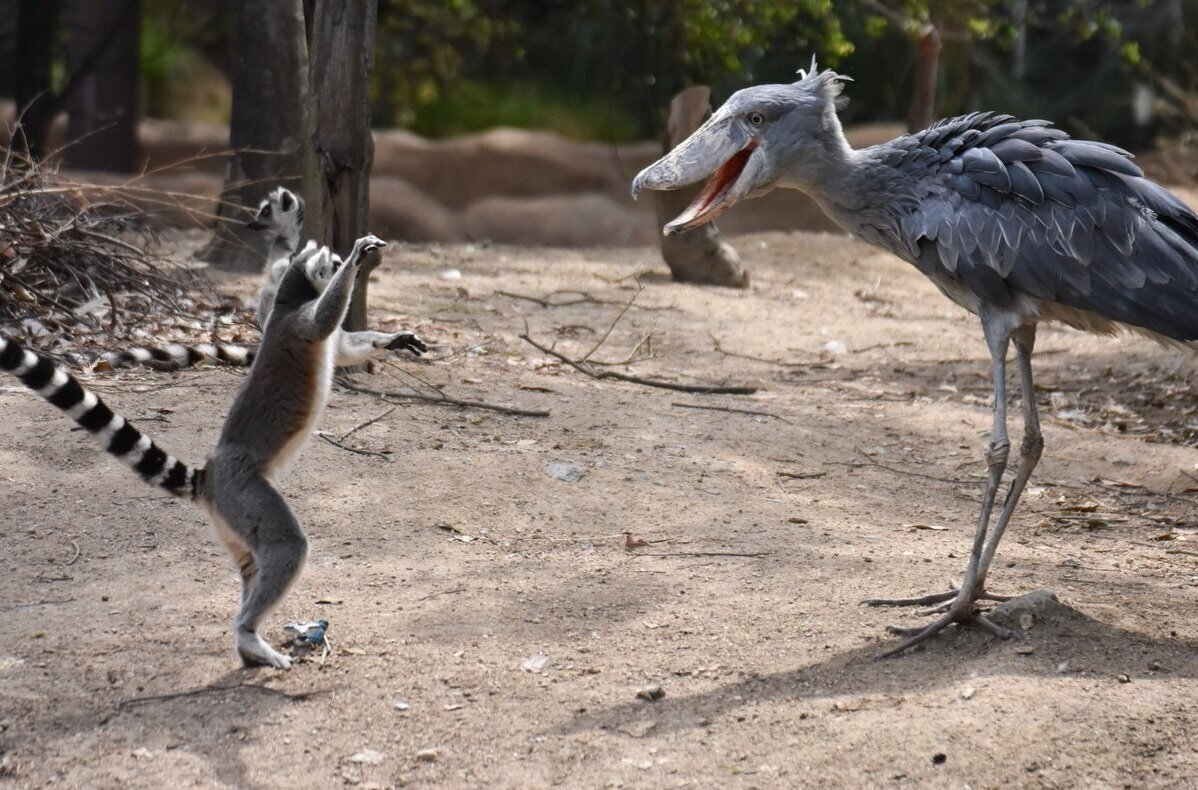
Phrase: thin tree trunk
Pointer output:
(102, 97)
(36, 102)
(342, 149)
(920, 113)
(268, 126)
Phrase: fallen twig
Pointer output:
(702, 554)
(800, 475)
(719, 348)
(896, 470)
(607, 333)
(730, 410)
(299, 697)
(582, 298)
(71, 561)
(586, 370)
(362, 425)
(336, 443)
(442, 398)
(441, 592)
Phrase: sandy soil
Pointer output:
(490, 627)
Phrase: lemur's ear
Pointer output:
(288, 201)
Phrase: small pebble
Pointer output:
(651, 693)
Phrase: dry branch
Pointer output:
(79, 260)
(441, 398)
(587, 370)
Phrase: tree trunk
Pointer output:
(920, 113)
(267, 129)
(102, 92)
(35, 101)
(342, 149)
(698, 255)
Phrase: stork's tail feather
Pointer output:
(177, 355)
(119, 436)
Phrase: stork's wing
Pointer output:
(1017, 207)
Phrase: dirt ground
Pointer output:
(490, 629)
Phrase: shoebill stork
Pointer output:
(1011, 219)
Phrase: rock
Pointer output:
(1040, 605)
(586, 219)
(367, 757)
(637, 729)
(428, 755)
(399, 210)
(561, 470)
(651, 693)
(534, 663)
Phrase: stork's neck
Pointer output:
(855, 188)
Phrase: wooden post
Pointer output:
(266, 132)
(920, 113)
(699, 255)
(342, 150)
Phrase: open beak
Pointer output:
(729, 165)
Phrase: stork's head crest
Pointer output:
(760, 137)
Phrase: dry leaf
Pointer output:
(633, 542)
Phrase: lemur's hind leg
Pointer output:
(257, 518)
(242, 555)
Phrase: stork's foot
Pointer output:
(936, 598)
(921, 634)
(954, 607)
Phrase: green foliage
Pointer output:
(471, 106)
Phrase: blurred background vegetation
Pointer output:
(605, 69)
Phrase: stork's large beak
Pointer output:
(716, 150)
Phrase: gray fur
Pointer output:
(270, 421)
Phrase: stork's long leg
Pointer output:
(960, 609)
(1029, 449)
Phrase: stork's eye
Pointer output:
(756, 118)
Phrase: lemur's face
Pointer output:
(321, 267)
(280, 211)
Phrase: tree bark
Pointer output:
(699, 255)
(102, 93)
(36, 102)
(920, 113)
(268, 127)
(342, 150)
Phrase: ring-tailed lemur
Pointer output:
(268, 423)
(281, 213)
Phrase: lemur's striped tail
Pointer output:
(39, 373)
(177, 355)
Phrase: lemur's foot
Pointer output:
(407, 340)
(255, 652)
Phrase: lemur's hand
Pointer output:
(407, 340)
